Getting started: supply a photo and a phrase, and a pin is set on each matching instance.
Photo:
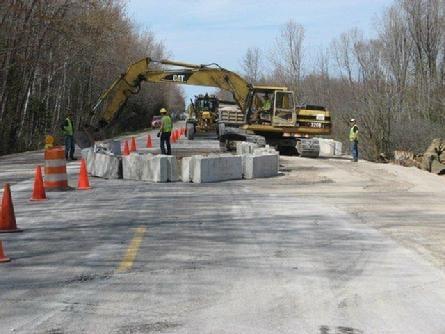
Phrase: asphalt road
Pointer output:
(326, 247)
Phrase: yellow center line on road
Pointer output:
(132, 250)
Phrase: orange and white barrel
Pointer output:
(55, 169)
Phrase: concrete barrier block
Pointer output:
(260, 166)
(243, 147)
(217, 168)
(107, 166)
(172, 163)
(160, 168)
(89, 156)
(84, 153)
(155, 168)
(187, 169)
(338, 149)
(265, 150)
(147, 167)
(327, 147)
(132, 166)
(243, 163)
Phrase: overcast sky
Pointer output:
(220, 31)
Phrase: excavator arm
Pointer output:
(149, 70)
(157, 71)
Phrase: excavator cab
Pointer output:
(284, 113)
(281, 112)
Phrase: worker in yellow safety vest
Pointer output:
(165, 131)
(353, 138)
(266, 108)
(68, 134)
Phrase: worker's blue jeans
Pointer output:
(354, 151)
(69, 147)
(165, 139)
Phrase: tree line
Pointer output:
(59, 56)
(393, 84)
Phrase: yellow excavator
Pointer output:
(283, 125)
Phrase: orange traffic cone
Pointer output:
(3, 257)
(126, 149)
(173, 137)
(7, 215)
(149, 143)
(84, 183)
(38, 193)
(133, 145)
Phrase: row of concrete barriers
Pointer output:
(259, 163)
(330, 147)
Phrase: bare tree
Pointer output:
(59, 56)
(251, 65)
(343, 52)
(425, 23)
(287, 55)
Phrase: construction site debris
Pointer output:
(434, 157)
(405, 158)
(108, 147)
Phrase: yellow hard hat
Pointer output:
(163, 111)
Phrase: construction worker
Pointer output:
(68, 133)
(267, 104)
(266, 108)
(353, 138)
(165, 131)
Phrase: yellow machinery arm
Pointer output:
(189, 74)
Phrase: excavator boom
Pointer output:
(188, 74)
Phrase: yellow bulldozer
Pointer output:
(202, 115)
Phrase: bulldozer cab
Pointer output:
(206, 103)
